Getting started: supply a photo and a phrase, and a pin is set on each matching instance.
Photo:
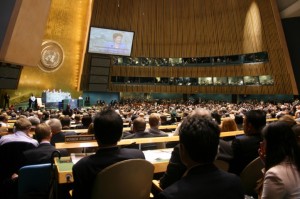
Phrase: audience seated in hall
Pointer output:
(244, 147)
(56, 129)
(199, 140)
(108, 127)
(280, 153)
(139, 127)
(42, 154)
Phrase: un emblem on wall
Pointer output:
(52, 56)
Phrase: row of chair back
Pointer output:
(126, 179)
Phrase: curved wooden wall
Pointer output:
(199, 28)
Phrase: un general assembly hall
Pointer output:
(169, 71)
(204, 49)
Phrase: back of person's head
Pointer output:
(3, 118)
(163, 118)
(91, 129)
(108, 127)
(46, 115)
(288, 119)
(216, 116)
(154, 119)
(22, 124)
(257, 118)
(281, 143)
(86, 120)
(228, 124)
(53, 115)
(133, 117)
(139, 124)
(201, 112)
(200, 137)
(65, 121)
(34, 120)
(77, 118)
(42, 131)
(55, 125)
(238, 119)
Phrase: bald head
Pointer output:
(201, 112)
(139, 124)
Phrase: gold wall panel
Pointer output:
(68, 24)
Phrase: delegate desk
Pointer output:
(159, 158)
(165, 127)
(73, 145)
(125, 129)
(93, 143)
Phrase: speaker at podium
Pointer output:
(72, 102)
(80, 103)
(65, 103)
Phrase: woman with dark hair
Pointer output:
(280, 153)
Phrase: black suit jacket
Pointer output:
(245, 149)
(205, 181)
(143, 134)
(60, 137)
(176, 168)
(41, 154)
(85, 170)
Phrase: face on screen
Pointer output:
(118, 39)
(107, 41)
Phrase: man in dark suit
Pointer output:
(245, 147)
(139, 126)
(199, 140)
(6, 100)
(42, 154)
(108, 127)
(56, 129)
(154, 122)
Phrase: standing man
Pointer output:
(6, 100)
(32, 100)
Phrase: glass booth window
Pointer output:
(251, 80)
(235, 81)
(266, 80)
(205, 81)
(220, 81)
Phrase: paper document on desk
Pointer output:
(158, 155)
(77, 156)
